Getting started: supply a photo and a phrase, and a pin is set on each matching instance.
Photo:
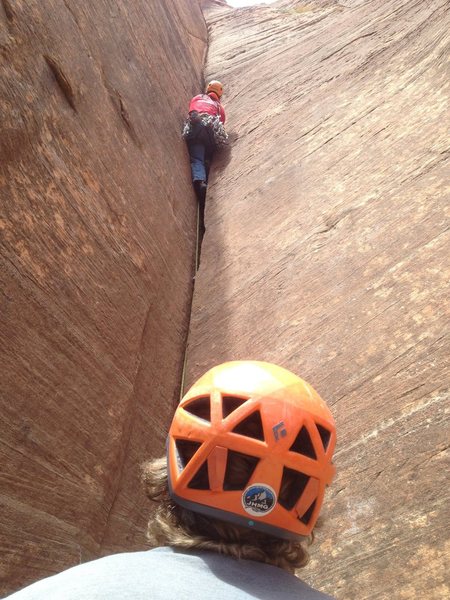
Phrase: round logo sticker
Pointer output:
(259, 500)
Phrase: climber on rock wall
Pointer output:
(249, 454)
(204, 132)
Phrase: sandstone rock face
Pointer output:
(326, 251)
(97, 262)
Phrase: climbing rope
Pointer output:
(197, 263)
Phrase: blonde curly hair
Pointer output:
(173, 525)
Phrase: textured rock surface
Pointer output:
(97, 261)
(326, 251)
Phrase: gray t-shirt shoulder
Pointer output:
(166, 574)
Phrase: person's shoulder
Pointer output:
(113, 574)
(242, 578)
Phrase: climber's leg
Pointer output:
(197, 157)
(208, 157)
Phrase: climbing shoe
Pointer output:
(200, 188)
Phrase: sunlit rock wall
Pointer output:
(326, 251)
(98, 222)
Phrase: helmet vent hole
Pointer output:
(303, 444)
(293, 484)
(240, 468)
(308, 514)
(251, 426)
(200, 481)
(325, 435)
(201, 408)
(186, 450)
(230, 404)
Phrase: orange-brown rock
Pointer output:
(97, 262)
(326, 251)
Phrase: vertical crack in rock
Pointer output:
(131, 419)
(126, 119)
(8, 10)
(62, 80)
(119, 105)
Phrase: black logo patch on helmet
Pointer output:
(259, 499)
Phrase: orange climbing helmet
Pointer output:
(216, 87)
(251, 443)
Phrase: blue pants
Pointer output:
(197, 153)
(201, 149)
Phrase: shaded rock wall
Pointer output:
(97, 261)
(326, 251)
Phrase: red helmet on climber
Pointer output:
(215, 87)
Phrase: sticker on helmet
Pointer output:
(259, 499)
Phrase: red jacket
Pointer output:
(207, 104)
